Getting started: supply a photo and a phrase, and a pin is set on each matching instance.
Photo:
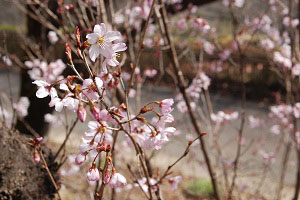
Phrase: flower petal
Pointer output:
(119, 47)
(112, 35)
(106, 52)
(100, 29)
(42, 92)
(94, 52)
(92, 38)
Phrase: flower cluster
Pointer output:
(41, 70)
(221, 117)
(200, 82)
(79, 95)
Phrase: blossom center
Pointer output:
(100, 40)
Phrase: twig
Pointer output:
(136, 180)
(243, 106)
(185, 153)
(141, 47)
(66, 139)
(49, 173)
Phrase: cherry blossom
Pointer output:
(201, 24)
(181, 24)
(221, 117)
(52, 36)
(166, 106)
(101, 41)
(254, 122)
(22, 107)
(275, 129)
(117, 180)
(40, 70)
(150, 73)
(112, 60)
(174, 182)
(73, 169)
(45, 89)
(6, 60)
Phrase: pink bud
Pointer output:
(39, 139)
(93, 174)
(68, 52)
(107, 176)
(81, 113)
(37, 157)
(96, 112)
(80, 158)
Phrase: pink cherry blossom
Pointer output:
(296, 70)
(100, 41)
(166, 106)
(39, 139)
(52, 36)
(181, 24)
(132, 93)
(21, 107)
(41, 70)
(175, 181)
(254, 122)
(201, 24)
(6, 60)
(117, 180)
(45, 89)
(150, 72)
(208, 47)
(239, 3)
(89, 88)
(95, 111)
(112, 60)
(181, 106)
(73, 169)
(275, 129)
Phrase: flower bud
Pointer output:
(85, 45)
(107, 176)
(95, 111)
(77, 36)
(39, 139)
(81, 113)
(36, 157)
(68, 52)
(93, 174)
(80, 158)
(79, 54)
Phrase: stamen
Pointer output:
(101, 42)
